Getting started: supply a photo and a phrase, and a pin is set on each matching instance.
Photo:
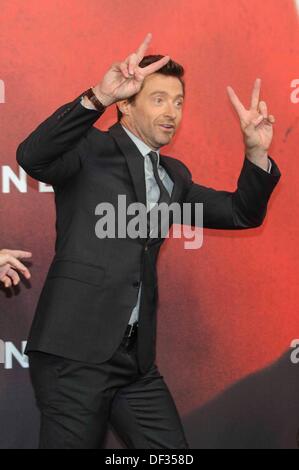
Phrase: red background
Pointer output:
(230, 308)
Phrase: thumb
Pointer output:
(257, 121)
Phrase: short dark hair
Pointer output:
(171, 69)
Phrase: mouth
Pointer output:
(167, 127)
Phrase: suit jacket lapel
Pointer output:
(134, 160)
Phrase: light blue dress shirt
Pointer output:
(152, 192)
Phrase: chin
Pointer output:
(164, 141)
(161, 144)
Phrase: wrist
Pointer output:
(104, 99)
(256, 153)
(87, 103)
(259, 157)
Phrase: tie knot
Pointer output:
(154, 158)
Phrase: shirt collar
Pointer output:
(142, 147)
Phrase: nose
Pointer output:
(170, 111)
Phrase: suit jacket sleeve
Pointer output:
(54, 151)
(244, 208)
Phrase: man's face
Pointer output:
(158, 105)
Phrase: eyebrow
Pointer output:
(165, 93)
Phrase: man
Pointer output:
(10, 264)
(92, 342)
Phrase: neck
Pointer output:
(136, 133)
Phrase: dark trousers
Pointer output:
(77, 401)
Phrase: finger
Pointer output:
(140, 53)
(156, 65)
(255, 97)
(263, 109)
(271, 119)
(18, 253)
(3, 271)
(236, 102)
(139, 74)
(132, 63)
(6, 281)
(16, 264)
(258, 120)
(124, 69)
(14, 276)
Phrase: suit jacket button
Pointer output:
(136, 284)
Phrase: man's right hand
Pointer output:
(124, 79)
(10, 264)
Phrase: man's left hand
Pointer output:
(256, 125)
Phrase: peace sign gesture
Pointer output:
(256, 124)
(124, 79)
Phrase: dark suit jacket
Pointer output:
(92, 284)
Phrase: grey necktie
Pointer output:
(164, 195)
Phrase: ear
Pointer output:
(123, 106)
